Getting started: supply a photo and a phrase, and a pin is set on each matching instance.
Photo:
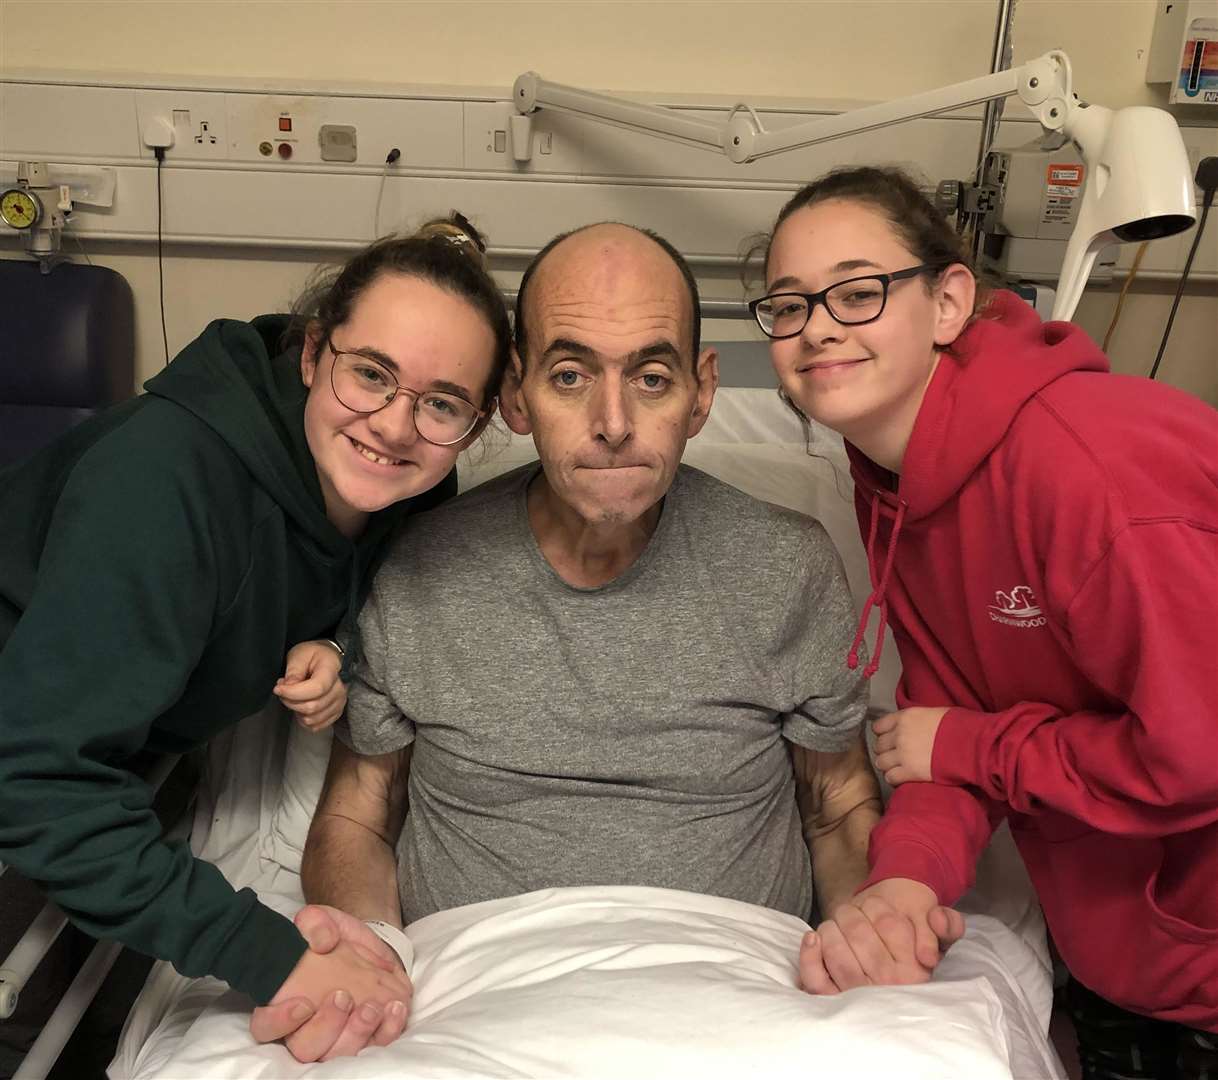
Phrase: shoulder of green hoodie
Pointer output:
(139, 548)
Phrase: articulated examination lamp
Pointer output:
(1138, 183)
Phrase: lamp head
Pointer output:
(1139, 187)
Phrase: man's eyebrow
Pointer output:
(836, 268)
(445, 387)
(657, 350)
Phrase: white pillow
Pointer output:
(304, 771)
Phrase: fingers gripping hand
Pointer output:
(870, 944)
(358, 1003)
(935, 927)
(324, 927)
(339, 1025)
(814, 977)
(311, 686)
(904, 743)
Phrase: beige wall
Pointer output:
(824, 48)
(861, 49)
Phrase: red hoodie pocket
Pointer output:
(1182, 893)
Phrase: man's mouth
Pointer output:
(373, 455)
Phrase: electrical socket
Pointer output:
(197, 121)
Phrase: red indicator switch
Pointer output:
(285, 123)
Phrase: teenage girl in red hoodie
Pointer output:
(1043, 541)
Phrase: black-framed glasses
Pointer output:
(851, 302)
(365, 385)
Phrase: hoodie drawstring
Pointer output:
(879, 587)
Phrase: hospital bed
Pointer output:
(613, 982)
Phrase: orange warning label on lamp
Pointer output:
(1064, 178)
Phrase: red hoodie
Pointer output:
(1049, 563)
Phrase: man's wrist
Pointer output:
(396, 939)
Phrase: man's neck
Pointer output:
(582, 553)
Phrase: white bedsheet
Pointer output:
(624, 981)
(636, 982)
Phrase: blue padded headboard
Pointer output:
(67, 350)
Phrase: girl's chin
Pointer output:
(368, 498)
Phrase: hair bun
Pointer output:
(457, 230)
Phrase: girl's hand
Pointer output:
(904, 742)
(310, 685)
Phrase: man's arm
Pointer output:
(349, 858)
(865, 939)
(839, 804)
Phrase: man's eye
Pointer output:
(653, 380)
(567, 379)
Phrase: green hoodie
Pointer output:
(156, 564)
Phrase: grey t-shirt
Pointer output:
(627, 734)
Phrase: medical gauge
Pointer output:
(19, 209)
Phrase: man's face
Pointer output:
(610, 390)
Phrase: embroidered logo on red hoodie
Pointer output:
(1016, 608)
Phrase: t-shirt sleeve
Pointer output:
(827, 700)
(373, 723)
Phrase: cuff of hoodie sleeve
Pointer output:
(957, 753)
(261, 954)
(910, 859)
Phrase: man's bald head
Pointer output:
(580, 251)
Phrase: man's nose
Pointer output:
(394, 425)
(611, 417)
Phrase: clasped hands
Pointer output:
(318, 1022)
(893, 933)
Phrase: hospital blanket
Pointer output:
(600, 982)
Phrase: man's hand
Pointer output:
(325, 1023)
(904, 742)
(310, 685)
(890, 934)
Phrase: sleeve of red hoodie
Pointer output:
(1144, 628)
(932, 833)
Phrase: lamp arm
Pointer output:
(1043, 84)
(1139, 183)
(531, 92)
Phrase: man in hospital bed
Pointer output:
(606, 668)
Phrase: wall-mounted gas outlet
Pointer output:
(198, 121)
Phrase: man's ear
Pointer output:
(706, 371)
(956, 292)
(309, 352)
(512, 405)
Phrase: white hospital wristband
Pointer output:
(396, 939)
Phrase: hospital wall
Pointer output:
(854, 51)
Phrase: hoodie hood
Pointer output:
(1002, 359)
(236, 379)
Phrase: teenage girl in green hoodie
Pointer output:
(157, 563)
